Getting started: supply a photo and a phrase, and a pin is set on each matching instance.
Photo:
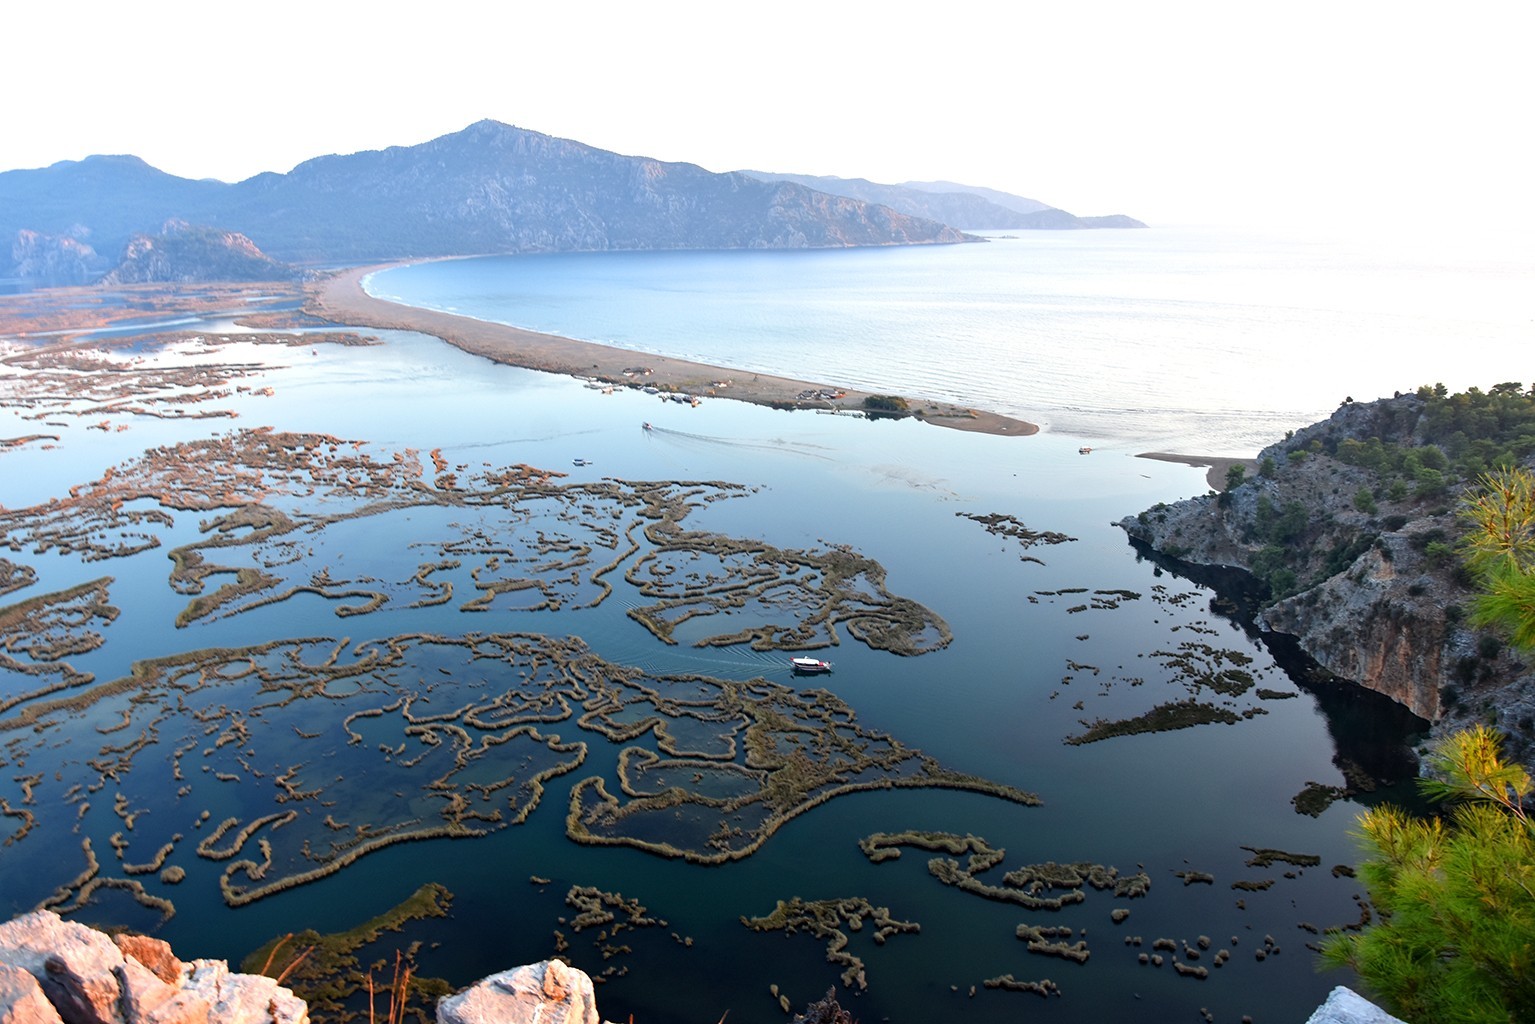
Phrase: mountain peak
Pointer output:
(489, 126)
(491, 187)
(123, 161)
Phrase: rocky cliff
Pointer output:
(1349, 529)
(53, 259)
(184, 253)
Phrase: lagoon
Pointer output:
(1046, 639)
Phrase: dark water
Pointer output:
(997, 702)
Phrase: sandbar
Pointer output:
(1218, 465)
(341, 299)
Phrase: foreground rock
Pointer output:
(1346, 541)
(58, 972)
(54, 971)
(1345, 1006)
(548, 992)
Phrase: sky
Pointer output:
(1350, 112)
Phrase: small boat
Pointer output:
(581, 462)
(647, 425)
(809, 666)
(1084, 450)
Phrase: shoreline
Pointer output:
(341, 299)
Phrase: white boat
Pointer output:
(809, 666)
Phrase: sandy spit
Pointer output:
(341, 299)
(1218, 465)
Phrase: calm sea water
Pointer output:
(1029, 663)
(1161, 339)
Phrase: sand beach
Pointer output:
(341, 299)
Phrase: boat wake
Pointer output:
(685, 439)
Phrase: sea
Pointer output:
(1203, 340)
(1052, 623)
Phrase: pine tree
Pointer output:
(1454, 896)
(1500, 552)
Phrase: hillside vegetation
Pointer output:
(1352, 527)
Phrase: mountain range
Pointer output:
(967, 207)
(491, 188)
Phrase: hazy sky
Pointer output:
(1175, 112)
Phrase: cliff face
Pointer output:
(1381, 623)
(1369, 586)
(184, 253)
(53, 259)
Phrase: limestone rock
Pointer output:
(152, 953)
(71, 962)
(146, 999)
(1345, 1006)
(85, 978)
(243, 998)
(22, 1000)
(548, 992)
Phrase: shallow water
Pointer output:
(997, 703)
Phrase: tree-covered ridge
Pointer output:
(1499, 550)
(1408, 458)
(1446, 436)
(1354, 530)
